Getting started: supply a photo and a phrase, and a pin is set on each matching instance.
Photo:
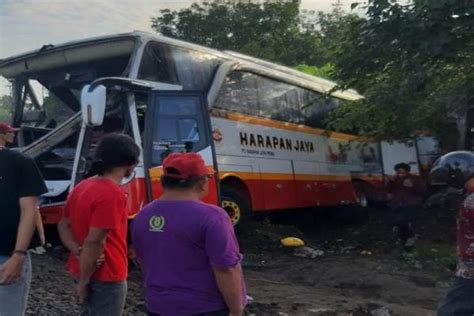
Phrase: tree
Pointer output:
(413, 63)
(270, 30)
(324, 71)
(5, 108)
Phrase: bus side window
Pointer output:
(239, 94)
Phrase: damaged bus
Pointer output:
(255, 122)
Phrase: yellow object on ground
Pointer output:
(292, 242)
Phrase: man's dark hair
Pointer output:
(115, 150)
(177, 184)
(403, 166)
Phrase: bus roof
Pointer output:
(52, 56)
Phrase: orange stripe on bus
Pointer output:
(285, 125)
(284, 176)
(156, 172)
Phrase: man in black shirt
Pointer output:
(20, 186)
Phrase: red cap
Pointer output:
(185, 166)
(7, 128)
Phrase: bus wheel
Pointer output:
(235, 205)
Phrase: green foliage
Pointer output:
(5, 108)
(270, 30)
(439, 255)
(413, 63)
(323, 71)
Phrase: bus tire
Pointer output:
(236, 206)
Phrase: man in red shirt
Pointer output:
(405, 194)
(95, 225)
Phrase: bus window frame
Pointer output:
(228, 68)
(206, 133)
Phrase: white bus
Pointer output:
(257, 123)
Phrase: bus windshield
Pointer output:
(165, 63)
(45, 100)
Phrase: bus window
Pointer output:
(169, 64)
(252, 94)
(195, 70)
(189, 131)
(156, 64)
(316, 107)
(177, 125)
(239, 94)
(279, 101)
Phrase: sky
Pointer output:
(29, 24)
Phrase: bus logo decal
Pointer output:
(217, 135)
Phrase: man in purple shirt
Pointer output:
(188, 249)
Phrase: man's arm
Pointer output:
(389, 186)
(92, 250)
(91, 253)
(67, 238)
(28, 218)
(11, 269)
(223, 251)
(229, 282)
(469, 206)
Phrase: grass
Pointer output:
(441, 256)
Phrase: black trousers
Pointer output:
(458, 300)
(404, 222)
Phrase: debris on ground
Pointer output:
(292, 242)
(308, 252)
(383, 311)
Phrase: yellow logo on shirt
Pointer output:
(157, 223)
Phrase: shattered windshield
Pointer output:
(43, 101)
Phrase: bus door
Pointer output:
(177, 121)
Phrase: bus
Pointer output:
(258, 124)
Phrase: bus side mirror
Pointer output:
(93, 104)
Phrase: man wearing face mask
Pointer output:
(187, 248)
(94, 224)
(405, 195)
(20, 186)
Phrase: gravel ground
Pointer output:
(345, 280)
(52, 289)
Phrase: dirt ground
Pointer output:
(362, 271)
